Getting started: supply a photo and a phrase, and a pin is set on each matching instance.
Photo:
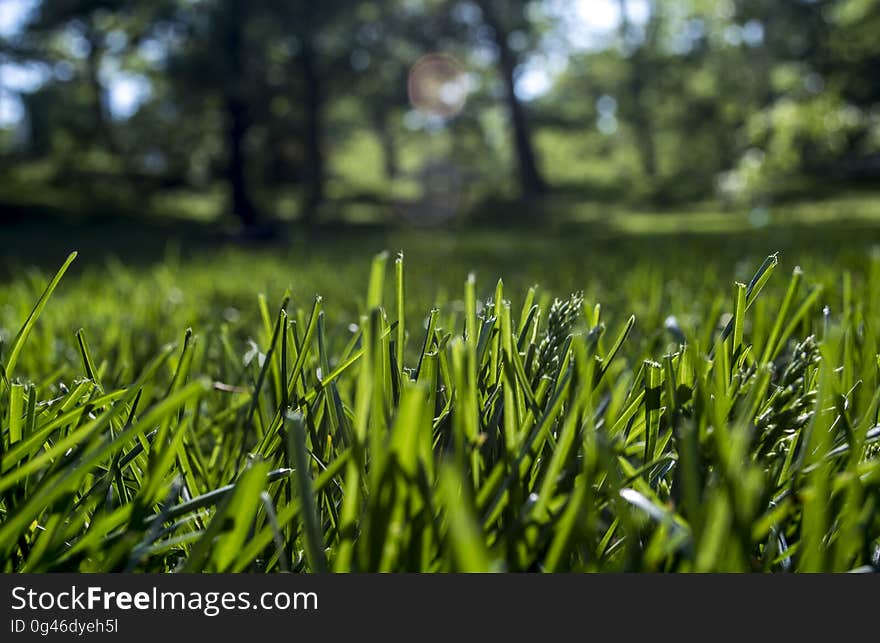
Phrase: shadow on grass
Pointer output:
(42, 237)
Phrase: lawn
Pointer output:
(591, 396)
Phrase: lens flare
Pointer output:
(438, 85)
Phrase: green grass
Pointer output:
(692, 406)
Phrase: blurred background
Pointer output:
(253, 115)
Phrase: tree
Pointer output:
(235, 20)
(216, 73)
(96, 23)
(642, 53)
(503, 17)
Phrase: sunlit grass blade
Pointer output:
(22, 335)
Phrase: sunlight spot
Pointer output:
(11, 109)
(607, 124)
(533, 82)
(127, 93)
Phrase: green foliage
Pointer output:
(789, 137)
(290, 104)
(513, 435)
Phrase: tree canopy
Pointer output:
(263, 110)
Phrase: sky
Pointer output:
(12, 14)
(602, 16)
(584, 25)
(14, 78)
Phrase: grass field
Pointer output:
(683, 400)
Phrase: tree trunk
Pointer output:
(237, 122)
(242, 205)
(390, 161)
(100, 109)
(531, 182)
(642, 121)
(314, 171)
(638, 72)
